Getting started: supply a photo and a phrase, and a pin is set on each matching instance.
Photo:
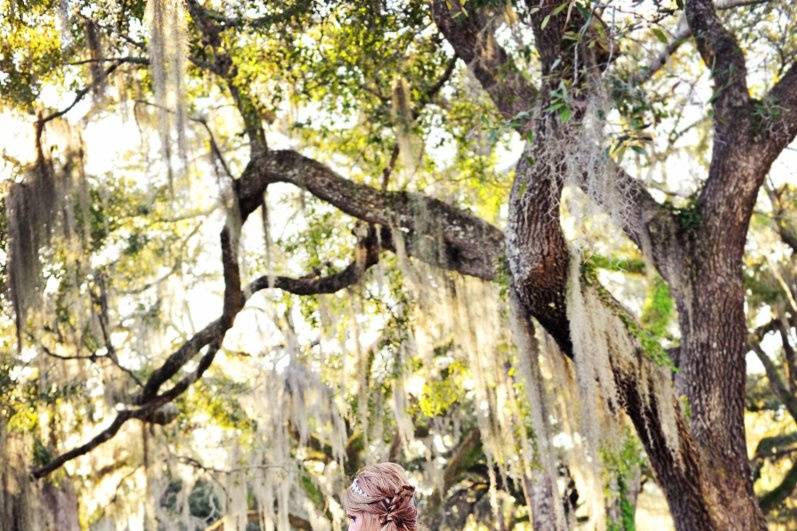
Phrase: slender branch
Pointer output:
(214, 147)
(391, 164)
(426, 98)
(781, 391)
(431, 92)
(223, 66)
(121, 418)
(780, 493)
(93, 357)
(101, 300)
(128, 59)
(681, 35)
(190, 461)
(86, 357)
(788, 233)
(789, 356)
(212, 336)
(80, 94)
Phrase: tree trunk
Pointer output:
(708, 483)
(712, 378)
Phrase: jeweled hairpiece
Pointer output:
(356, 488)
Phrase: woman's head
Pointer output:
(380, 499)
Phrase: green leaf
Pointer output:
(660, 35)
(560, 8)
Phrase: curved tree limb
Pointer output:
(432, 230)
(366, 255)
(211, 336)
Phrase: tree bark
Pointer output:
(712, 378)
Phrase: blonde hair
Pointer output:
(384, 498)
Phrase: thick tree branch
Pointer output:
(178, 359)
(650, 225)
(779, 110)
(430, 229)
(684, 468)
(647, 223)
(470, 33)
(769, 446)
(723, 56)
(366, 255)
(737, 168)
(233, 296)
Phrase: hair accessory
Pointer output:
(357, 490)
